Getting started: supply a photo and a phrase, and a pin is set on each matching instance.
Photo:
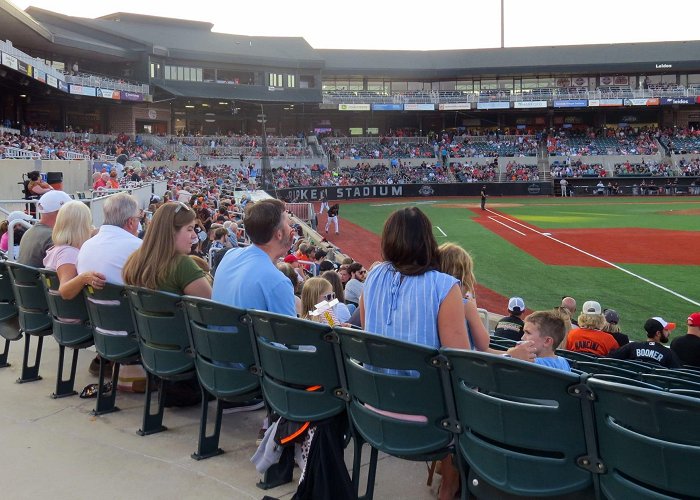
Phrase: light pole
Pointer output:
(266, 173)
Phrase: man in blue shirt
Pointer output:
(248, 278)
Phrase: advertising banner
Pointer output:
(131, 96)
(493, 105)
(24, 68)
(303, 194)
(453, 106)
(665, 101)
(529, 104)
(653, 101)
(41, 76)
(9, 61)
(604, 102)
(418, 107)
(108, 94)
(51, 81)
(387, 107)
(570, 103)
(353, 107)
(83, 90)
(62, 86)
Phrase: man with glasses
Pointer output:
(354, 286)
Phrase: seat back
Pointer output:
(681, 374)
(292, 356)
(628, 364)
(647, 441)
(223, 353)
(523, 425)
(575, 356)
(71, 323)
(670, 382)
(595, 367)
(398, 394)
(161, 330)
(8, 306)
(30, 298)
(112, 325)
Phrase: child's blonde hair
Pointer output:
(313, 287)
(456, 261)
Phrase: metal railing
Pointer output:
(544, 94)
(7, 47)
(12, 153)
(106, 82)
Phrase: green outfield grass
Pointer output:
(506, 269)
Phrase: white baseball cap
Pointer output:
(591, 307)
(516, 304)
(52, 201)
(17, 215)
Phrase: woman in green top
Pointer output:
(162, 262)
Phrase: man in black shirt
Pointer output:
(658, 331)
(483, 195)
(687, 347)
(511, 326)
(333, 217)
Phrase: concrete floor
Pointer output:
(54, 448)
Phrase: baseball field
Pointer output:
(637, 255)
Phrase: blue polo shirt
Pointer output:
(246, 278)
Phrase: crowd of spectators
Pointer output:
(518, 172)
(51, 148)
(605, 141)
(576, 169)
(643, 168)
(689, 167)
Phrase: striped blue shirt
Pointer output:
(405, 307)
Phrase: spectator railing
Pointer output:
(12, 153)
(72, 155)
(105, 82)
(7, 47)
(7, 130)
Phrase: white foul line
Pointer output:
(646, 280)
(443, 232)
(506, 225)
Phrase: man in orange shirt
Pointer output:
(588, 337)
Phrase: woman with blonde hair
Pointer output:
(456, 261)
(162, 262)
(315, 290)
(73, 228)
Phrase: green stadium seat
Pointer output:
(161, 330)
(595, 367)
(71, 329)
(526, 429)
(681, 374)
(635, 366)
(386, 375)
(34, 318)
(223, 358)
(114, 335)
(670, 382)
(575, 356)
(9, 326)
(646, 441)
(293, 355)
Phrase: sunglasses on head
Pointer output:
(181, 206)
(328, 297)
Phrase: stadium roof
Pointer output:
(128, 37)
(517, 60)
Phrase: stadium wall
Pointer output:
(362, 192)
(77, 175)
(416, 162)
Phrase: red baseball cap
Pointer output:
(694, 319)
(290, 258)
